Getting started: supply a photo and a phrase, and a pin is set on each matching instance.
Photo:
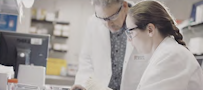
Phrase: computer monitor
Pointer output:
(20, 48)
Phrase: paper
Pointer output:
(8, 70)
(93, 84)
(32, 75)
(3, 81)
(195, 45)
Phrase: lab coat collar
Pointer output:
(166, 42)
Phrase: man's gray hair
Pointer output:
(106, 3)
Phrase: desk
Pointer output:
(59, 80)
(31, 87)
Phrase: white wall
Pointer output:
(74, 11)
(77, 12)
(180, 9)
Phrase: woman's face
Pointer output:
(140, 39)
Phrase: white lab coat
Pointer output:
(172, 67)
(95, 57)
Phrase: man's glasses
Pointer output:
(112, 17)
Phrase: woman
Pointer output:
(152, 31)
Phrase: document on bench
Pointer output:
(93, 84)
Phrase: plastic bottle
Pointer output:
(12, 83)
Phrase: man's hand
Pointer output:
(77, 87)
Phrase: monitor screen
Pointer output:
(19, 48)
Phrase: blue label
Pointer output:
(8, 22)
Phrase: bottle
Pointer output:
(63, 71)
(12, 83)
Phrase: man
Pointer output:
(105, 52)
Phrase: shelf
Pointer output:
(59, 77)
(61, 37)
(59, 51)
(42, 21)
(9, 8)
(196, 29)
(198, 56)
(63, 23)
(61, 81)
(51, 22)
(193, 26)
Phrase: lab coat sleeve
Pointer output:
(169, 72)
(85, 69)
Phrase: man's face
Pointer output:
(112, 16)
